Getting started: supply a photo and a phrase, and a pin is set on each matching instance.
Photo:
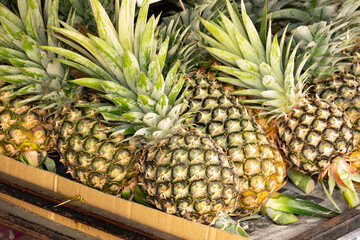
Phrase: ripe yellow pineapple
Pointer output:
(315, 136)
(88, 150)
(30, 76)
(187, 174)
(24, 133)
(256, 160)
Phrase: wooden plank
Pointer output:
(33, 225)
(78, 214)
(334, 228)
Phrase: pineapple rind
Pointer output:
(187, 174)
(314, 135)
(256, 161)
(343, 90)
(89, 152)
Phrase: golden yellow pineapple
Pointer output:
(90, 153)
(315, 136)
(25, 132)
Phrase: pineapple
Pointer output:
(30, 75)
(314, 135)
(127, 67)
(25, 135)
(333, 63)
(90, 153)
(187, 174)
(256, 160)
(343, 90)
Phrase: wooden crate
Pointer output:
(28, 193)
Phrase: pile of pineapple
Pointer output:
(132, 101)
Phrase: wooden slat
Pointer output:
(77, 214)
(334, 228)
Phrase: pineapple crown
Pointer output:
(125, 63)
(83, 13)
(263, 66)
(298, 12)
(28, 70)
(326, 41)
(301, 12)
(182, 27)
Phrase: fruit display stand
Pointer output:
(28, 199)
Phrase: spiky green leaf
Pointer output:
(270, 83)
(18, 62)
(125, 104)
(146, 45)
(154, 71)
(131, 69)
(126, 24)
(144, 85)
(112, 87)
(17, 79)
(246, 78)
(247, 50)
(133, 117)
(11, 53)
(9, 70)
(105, 27)
(37, 74)
(146, 103)
(162, 54)
(233, 81)
(252, 32)
(220, 35)
(34, 24)
(140, 26)
(77, 58)
(31, 49)
(162, 106)
(226, 57)
(276, 58)
(152, 119)
(8, 14)
(235, 19)
(248, 67)
(171, 77)
(159, 88)
(175, 90)
(175, 112)
(93, 83)
(85, 42)
(273, 94)
(230, 29)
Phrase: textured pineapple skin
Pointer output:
(22, 128)
(344, 91)
(91, 155)
(256, 160)
(187, 174)
(315, 134)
